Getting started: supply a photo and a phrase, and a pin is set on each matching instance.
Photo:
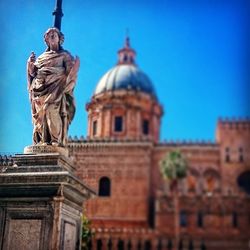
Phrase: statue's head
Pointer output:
(59, 34)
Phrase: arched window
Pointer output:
(244, 181)
(99, 244)
(227, 154)
(180, 247)
(203, 246)
(120, 245)
(145, 127)
(147, 245)
(151, 212)
(234, 219)
(241, 157)
(110, 244)
(125, 58)
(118, 126)
(159, 245)
(104, 186)
(183, 218)
(170, 245)
(190, 245)
(89, 245)
(139, 245)
(129, 246)
(200, 219)
(94, 127)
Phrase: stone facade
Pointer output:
(135, 208)
(134, 108)
(140, 206)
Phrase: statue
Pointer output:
(51, 81)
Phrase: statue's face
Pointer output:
(53, 39)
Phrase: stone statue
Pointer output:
(51, 81)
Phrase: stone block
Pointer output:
(41, 203)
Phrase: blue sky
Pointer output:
(195, 52)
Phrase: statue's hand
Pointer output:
(32, 57)
(30, 63)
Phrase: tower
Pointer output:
(124, 104)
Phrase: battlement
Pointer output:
(188, 142)
(232, 128)
(234, 123)
(73, 141)
(81, 141)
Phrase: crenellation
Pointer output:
(234, 123)
(184, 142)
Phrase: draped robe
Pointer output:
(51, 94)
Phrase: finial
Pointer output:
(126, 55)
(58, 14)
(127, 40)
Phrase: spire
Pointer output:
(126, 55)
(58, 14)
(127, 40)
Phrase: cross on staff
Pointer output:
(58, 14)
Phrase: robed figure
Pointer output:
(51, 81)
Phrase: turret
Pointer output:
(233, 136)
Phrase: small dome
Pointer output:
(126, 77)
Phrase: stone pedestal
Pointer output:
(40, 203)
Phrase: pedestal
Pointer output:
(41, 203)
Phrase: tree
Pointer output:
(86, 233)
(174, 168)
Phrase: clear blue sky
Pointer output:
(195, 52)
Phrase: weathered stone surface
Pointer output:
(24, 234)
(44, 149)
(41, 204)
(70, 232)
(33, 162)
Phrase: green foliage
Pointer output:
(173, 166)
(86, 232)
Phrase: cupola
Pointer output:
(124, 104)
(126, 55)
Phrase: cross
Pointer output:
(58, 14)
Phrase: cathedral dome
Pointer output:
(125, 77)
(124, 105)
